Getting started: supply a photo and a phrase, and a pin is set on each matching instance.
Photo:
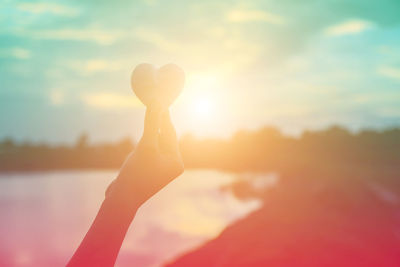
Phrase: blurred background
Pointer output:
(289, 127)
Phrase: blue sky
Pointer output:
(65, 65)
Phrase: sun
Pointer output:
(203, 107)
(202, 99)
(203, 104)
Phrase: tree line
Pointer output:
(265, 149)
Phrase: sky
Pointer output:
(65, 66)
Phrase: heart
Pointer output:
(162, 85)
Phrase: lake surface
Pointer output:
(44, 216)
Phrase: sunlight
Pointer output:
(202, 96)
(205, 104)
(203, 108)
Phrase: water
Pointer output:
(44, 216)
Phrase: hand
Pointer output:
(154, 163)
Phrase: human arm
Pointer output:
(154, 163)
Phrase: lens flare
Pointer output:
(203, 107)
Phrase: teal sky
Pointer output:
(65, 65)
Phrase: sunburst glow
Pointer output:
(202, 97)
(203, 107)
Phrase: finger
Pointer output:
(168, 138)
(151, 126)
(110, 188)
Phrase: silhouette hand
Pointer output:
(154, 163)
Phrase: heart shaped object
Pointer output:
(162, 85)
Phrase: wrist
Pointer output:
(122, 197)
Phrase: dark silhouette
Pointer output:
(153, 164)
(263, 150)
(336, 204)
(83, 155)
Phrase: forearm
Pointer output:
(103, 241)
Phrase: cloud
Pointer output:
(354, 26)
(389, 112)
(16, 52)
(157, 39)
(91, 66)
(101, 37)
(108, 100)
(48, 8)
(57, 97)
(221, 50)
(150, 2)
(389, 72)
(246, 15)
